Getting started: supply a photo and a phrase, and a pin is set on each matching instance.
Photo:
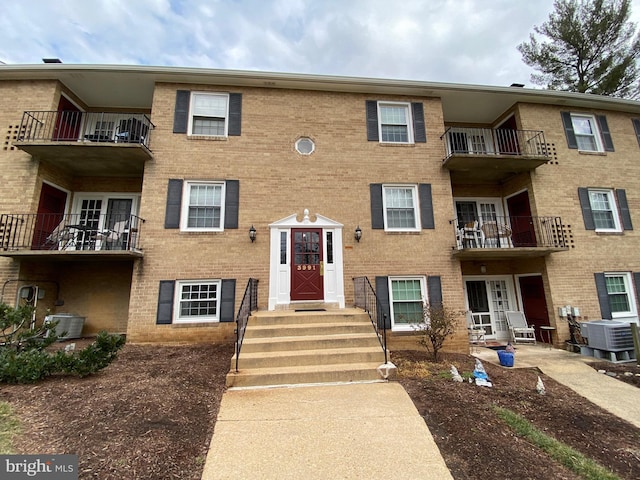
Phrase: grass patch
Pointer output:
(9, 426)
(564, 454)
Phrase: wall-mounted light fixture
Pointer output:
(252, 234)
(483, 268)
(358, 234)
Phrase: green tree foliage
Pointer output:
(438, 323)
(590, 47)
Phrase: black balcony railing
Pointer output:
(71, 232)
(509, 232)
(365, 298)
(248, 305)
(488, 141)
(70, 126)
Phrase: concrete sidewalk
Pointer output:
(351, 431)
(572, 370)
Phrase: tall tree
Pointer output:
(590, 47)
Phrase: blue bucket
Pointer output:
(506, 358)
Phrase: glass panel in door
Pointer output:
(479, 305)
(117, 223)
(499, 304)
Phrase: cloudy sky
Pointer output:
(459, 41)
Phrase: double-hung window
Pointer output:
(619, 291)
(400, 208)
(586, 131)
(407, 297)
(203, 206)
(197, 301)
(603, 210)
(209, 114)
(395, 122)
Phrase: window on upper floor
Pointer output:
(202, 205)
(208, 114)
(605, 209)
(395, 122)
(400, 207)
(586, 132)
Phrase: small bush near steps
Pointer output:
(24, 357)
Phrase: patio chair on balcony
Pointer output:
(131, 130)
(520, 330)
(470, 235)
(60, 238)
(115, 237)
(493, 232)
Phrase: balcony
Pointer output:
(88, 143)
(508, 237)
(492, 155)
(79, 236)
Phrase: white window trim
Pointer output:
(596, 131)
(410, 134)
(176, 302)
(411, 327)
(226, 117)
(632, 314)
(614, 209)
(416, 208)
(184, 214)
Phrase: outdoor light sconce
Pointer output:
(483, 268)
(252, 234)
(358, 234)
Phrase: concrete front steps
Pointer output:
(289, 347)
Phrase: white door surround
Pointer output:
(280, 259)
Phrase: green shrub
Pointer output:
(23, 354)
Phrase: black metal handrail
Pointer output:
(69, 232)
(490, 141)
(365, 297)
(248, 305)
(74, 126)
(497, 231)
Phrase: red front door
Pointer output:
(534, 304)
(68, 121)
(306, 264)
(523, 231)
(50, 213)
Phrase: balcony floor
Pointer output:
(504, 253)
(73, 255)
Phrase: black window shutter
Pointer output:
(426, 206)
(377, 215)
(636, 127)
(227, 300)
(434, 288)
(623, 206)
(231, 203)
(174, 199)
(587, 216)
(636, 280)
(603, 296)
(568, 130)
(382, 293)
(372, 120)
(181, 113)
(419, 130)
(235, 114)
(165, 302)
(606, 134)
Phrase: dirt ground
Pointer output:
(151, 414)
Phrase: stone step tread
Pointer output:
(307, 319)
(255, 331)
(332, 367)
(309, 338)
(317, 352)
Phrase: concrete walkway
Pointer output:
(352, 431)
(572, 370)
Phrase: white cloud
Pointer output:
(462, 41)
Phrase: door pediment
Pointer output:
(292, 221)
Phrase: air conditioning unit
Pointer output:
(608, 335)
(67, 322)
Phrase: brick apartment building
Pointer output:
(130, 195)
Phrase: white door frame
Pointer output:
(500, 334)
(280, 259)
